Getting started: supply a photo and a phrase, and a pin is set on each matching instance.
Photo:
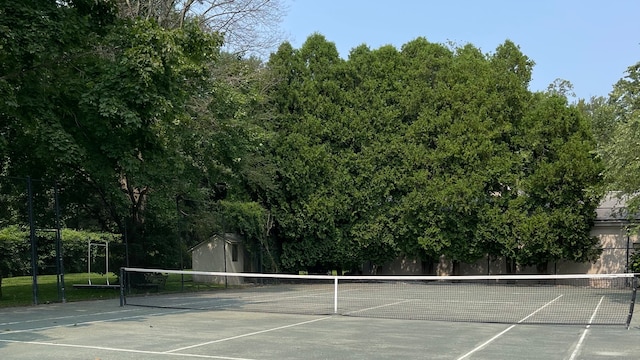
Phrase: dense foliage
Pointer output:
(426, 151)
(152, 132)
(617, 119)
(124, 114)
(16, 252)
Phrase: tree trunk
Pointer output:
(511, 266)
(543, 268)
(455, 268)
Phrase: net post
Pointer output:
(633, 299)
(123, 301)
(335, 295)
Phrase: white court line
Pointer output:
(245, 335)
(377, 307)
(444, 303)
(64, 317)
(234, 296)
(174, 352)
(122, 350)
(90, 322)
(506, 330)
(584, 333)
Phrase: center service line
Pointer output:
(506, 330)
(584, 333)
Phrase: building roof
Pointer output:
(230, 238)
(613, 208)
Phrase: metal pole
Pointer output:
(106, 259)
(628, 254)
(335, 295)
(34, 244)
(89, 260)
(180, 242)
(122, 290)
(224, 247)
(126, 242)
(633, 300)
(60, 262)
(488, 265)
(224, 254)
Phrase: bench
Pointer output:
(95, 286)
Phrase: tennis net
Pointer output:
(513, 299)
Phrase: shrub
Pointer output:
(15, 248)
(634, 263)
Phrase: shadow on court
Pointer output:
(103, 330)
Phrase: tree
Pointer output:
(103, 109)
(561, 87)
(426, 152)
(620, 149)
(46, 46)
(550, 215)
(40, 43)
(601, 114)
(372, 146)
(225, 142)
(249, 27)
(304, 206)
(222, 137)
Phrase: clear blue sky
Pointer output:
(590, 43)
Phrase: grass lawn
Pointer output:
(18, 291)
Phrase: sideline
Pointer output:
(122, 350)
(88, 322)
(64, 317)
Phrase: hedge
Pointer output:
(15, 251)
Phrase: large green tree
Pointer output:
(40, 44)
(428, 151)
(462, 134)
(248, 26)
(615, 120)
(109, 107)
(550, 215)
(309, 204)
(619, 116)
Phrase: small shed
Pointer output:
(220, 253)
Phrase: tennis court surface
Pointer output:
(357, 320)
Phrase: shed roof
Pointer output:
(232, 238)
(613, 208)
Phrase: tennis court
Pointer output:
(266, 323)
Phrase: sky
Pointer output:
(587, 42)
